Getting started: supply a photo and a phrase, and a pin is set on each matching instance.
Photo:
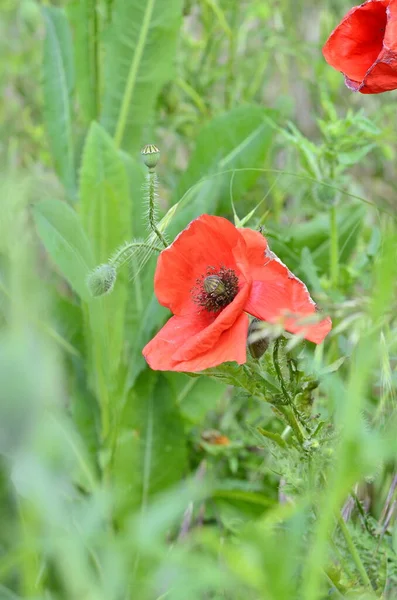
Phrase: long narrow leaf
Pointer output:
(58, 83)
(85, 20)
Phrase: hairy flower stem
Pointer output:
(289, 411)
(278, 371)
(119, 257)
(152, 185)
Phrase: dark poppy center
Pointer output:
(361, 40)
(215, 289)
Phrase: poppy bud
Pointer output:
(151, 156)
(213, 284)
(257, 345)
(101, 280)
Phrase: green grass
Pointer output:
(111, 484)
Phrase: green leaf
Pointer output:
(196, 396)
(105, 211)
(62, 234)
(58, 82)
(151, 452)
(275, 437)
(104, 194)
(314, 235)
(140, 48)
(238, 139)
(84, 17)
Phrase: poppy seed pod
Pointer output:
(101, 280)
(151, 156)
(214, 285)
(364, 47)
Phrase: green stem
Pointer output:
(278, 371)
(293, 422)
(334, 247)
(126, 249)
(152, 181)
(353, 551)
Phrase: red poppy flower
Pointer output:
(364, 47)
(210, 277)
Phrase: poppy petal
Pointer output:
(230, 346)
(257, 247)
(206, 338)
(355, 44)
(382, 77)
(207, 242)
(277, 296)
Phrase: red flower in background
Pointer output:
(210, 277)
(364, 47)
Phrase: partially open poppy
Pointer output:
(364, 47)
(210, 277)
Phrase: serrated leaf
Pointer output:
(62, 234)
(58, 83)
(151, 453)
(139, 52)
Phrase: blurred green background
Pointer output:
(119, 483)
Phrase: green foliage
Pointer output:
(150, 451)
(85, 20)
(139, 53)
(62, 234)
(243, 142)
(58, 87)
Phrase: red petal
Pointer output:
(276, 294)
(257, 247)
(354, 46)
(209, 336)
(207, 242)
(230, 346)
(382, 77)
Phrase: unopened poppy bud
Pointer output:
(257, 345)
(101, 280)
(151, 156)
(213, 284)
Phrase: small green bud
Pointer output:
(257, 345)
(151, 156)
(213, 284)
(101, 280)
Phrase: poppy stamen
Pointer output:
(216, 289)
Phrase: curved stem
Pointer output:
(128, 247)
